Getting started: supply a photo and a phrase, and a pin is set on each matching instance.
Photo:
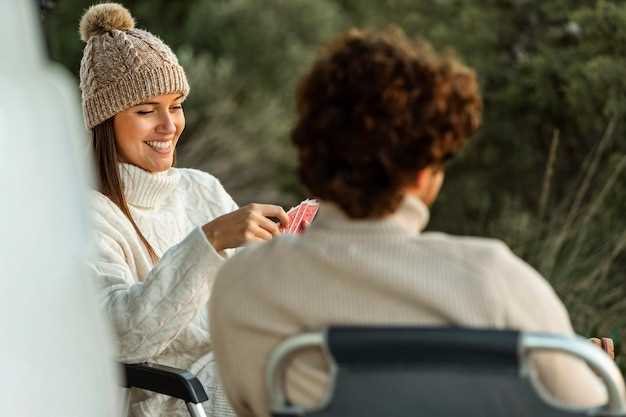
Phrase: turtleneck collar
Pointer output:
(411, 217)
(146, 189)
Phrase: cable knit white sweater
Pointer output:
(376, 272)
(160, 311)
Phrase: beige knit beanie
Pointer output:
(121, 65)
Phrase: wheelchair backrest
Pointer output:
(404, 371)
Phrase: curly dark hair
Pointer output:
(376, 108)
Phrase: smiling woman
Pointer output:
(161, 233)
(144, 136)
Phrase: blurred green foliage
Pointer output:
(545, 173)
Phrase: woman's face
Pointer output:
(146, 134)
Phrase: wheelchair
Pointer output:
(437, 372)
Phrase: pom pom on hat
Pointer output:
(103, 18)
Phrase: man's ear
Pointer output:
(426, 184)
(421, 181)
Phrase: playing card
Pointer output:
(301, 216)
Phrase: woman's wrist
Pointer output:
(212, 236)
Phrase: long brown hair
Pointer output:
(107, 171)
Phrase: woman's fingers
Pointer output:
(267, 225)
(270, 210)
(259, 233)
(606, 344)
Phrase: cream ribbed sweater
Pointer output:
(374, 272)
(160, 312)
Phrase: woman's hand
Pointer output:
(606, 344)
(247, 224)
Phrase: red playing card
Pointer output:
(292, 215)
(297, 218)
(301, 216)
(310, 211)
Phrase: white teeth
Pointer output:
(159, 144)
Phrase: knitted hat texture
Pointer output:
(122, 66)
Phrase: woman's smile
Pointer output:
(161, 146)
